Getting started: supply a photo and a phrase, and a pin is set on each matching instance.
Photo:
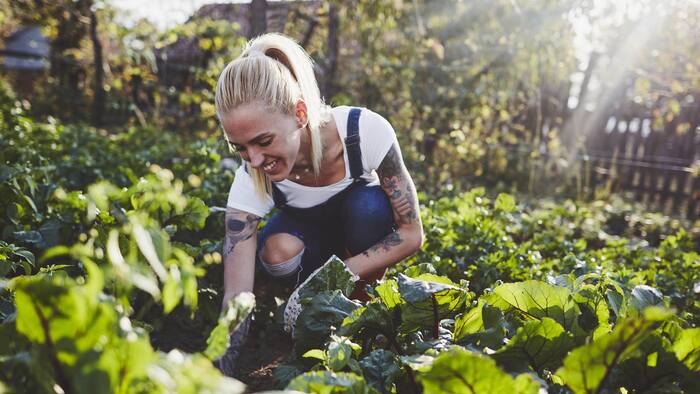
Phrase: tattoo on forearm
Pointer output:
(240, 226)
(392, 175)
(385, 244)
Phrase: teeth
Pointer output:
(269, 166)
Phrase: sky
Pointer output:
(163, 13)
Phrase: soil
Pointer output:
(268, 344)
(266, 348)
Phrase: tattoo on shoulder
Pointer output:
(385, 244)
(392, 177)
(240, 226)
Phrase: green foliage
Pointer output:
(538, 345)
(234, 314)
(119, 249)
(586, 369)
(460, 371)
(328, 382)
(14, 257)
(687, 348)
(592, 326)
(537, 300)
(333, 275)
(83, 342)
(381, 368)
(320, 316)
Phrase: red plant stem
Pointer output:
(436, 318)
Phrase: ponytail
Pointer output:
(277, 71)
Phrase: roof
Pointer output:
(30, 49)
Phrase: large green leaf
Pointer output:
(341, 353)
(181, 373)
(537, 300)
(369, 320)
(381, 368)
(324, 312)
(643, 296)
(538, 344)
(333, 275)
(129, 275)
(687, 348)
(651, 368)
(90, 348)
(327, 382)
(285, 372)
(460, 371)
(482, 326)
(193, 216)
(595, 314)
(588, 368)
(388, 291)
(427, 300)
(49, 310)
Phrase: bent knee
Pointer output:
(280, 248)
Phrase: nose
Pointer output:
(255, 157)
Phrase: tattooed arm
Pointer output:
(408, 237)
(239, 252)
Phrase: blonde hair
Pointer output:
(274, 70)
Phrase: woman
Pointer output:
(336, 176)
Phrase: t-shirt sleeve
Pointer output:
(376, 137)
(243, 196)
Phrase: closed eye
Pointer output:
(265, 142)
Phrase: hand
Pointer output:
(228, 362)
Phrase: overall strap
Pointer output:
(278, 197)
(352, 143)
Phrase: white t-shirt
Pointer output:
(376, 137)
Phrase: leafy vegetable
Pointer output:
(538, 345)
(328, 382)
(461, 371)
(587, 369)
(324, 312)
(537, 300)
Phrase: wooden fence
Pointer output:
(656, 163)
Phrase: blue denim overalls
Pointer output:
(347, 224)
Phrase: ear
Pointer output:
(301, 113)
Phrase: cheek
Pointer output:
(290, 147)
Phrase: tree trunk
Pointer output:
(258, 20)
(312, 24)
(576, 119)
(98, 103)
(330, 87)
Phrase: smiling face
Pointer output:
(269, 141)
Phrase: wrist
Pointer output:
(350, 264)
(228, 295)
